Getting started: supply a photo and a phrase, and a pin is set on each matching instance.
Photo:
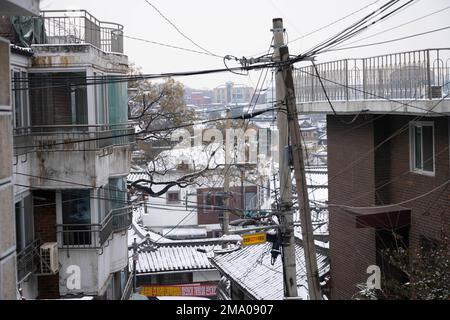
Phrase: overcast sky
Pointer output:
(242, 28)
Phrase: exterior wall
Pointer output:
(20, 7)
(8, 269)
(351, 250)
(429, 215)
(383, 177)
(206, 276)
(206, 216)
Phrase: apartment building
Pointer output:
(71, 155)
(231, 93)
(8, 256)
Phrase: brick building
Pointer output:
(388, 159)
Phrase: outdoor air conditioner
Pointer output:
(49, 258)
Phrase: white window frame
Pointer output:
(412, 147)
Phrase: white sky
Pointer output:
(242, 28)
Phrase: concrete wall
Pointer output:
(20, 7)
(96, 265)
(8, 272)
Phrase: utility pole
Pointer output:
(135, 258)
(226, 180)
(286, 216)
(290, 110)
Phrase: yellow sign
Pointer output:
(163, 291)
(252, 239)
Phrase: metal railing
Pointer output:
(71, 137)
(423, 74)
(94, 236)
(80, 27)
(128, 290)
(28, 261)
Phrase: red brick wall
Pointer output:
(429, 214)
(45, 229)
(351, 250)
(387, 169)
(212, 217)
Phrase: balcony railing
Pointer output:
(28, 261)
(71, 138)
(80, 27)
(94, 236)
(412, 75)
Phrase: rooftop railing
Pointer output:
(423, 74)
(80, 27)
(71, 137)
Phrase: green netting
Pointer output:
(29, 30)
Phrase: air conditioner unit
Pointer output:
(49, 258)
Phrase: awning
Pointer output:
(386, 217)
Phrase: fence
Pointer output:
(80, 27)
(422, 74)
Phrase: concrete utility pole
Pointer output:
(287, 82)
(286, 217)
(226, 180)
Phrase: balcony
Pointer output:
(28, 261)
(71, 138)
(94, 236)
(80, 27)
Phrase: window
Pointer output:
(173, 196)
(59, 98)
(76, 214)
(20, 99)
(100, 99)
(251, 201)
(24, 223)
(117, 192)
(422, 147)
(213, 202)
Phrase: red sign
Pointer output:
(185, 290)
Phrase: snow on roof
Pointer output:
(140, 233)
(251, 268)
(181, 257)
(184, 232)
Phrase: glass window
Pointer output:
(20, 99)
(76, 208)
(59, 98)
(19, 238)
(250, 201)
(118, 192)
(100, 100)
(173, 196)
(422, 144)
(76, 214)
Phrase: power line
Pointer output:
(355, 28)
(388, 41)
(179, 31)
(401, 25)
(334, 22)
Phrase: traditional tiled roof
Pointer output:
(251, 269)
